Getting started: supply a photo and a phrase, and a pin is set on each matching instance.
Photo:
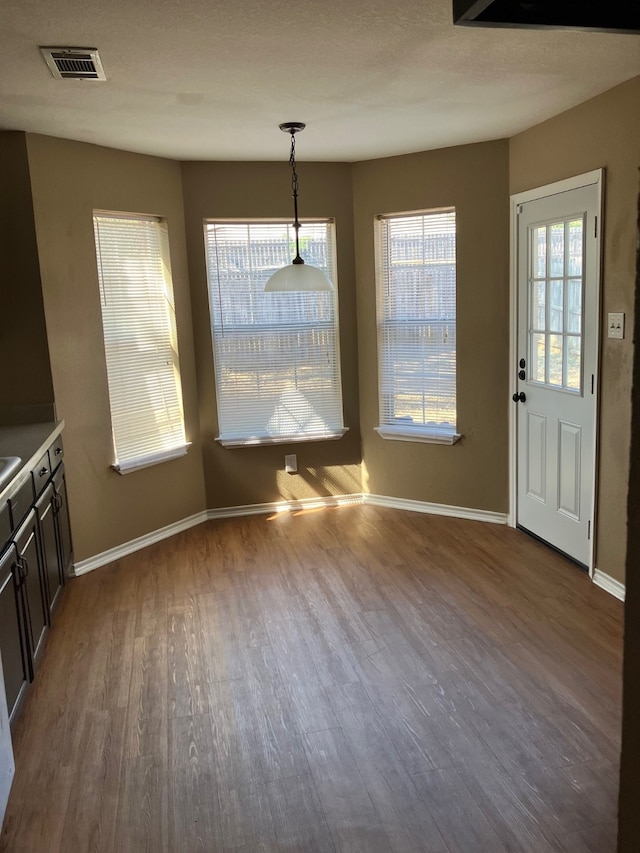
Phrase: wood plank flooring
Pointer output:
(354, 679)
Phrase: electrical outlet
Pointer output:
(291, 463)
(615, 325)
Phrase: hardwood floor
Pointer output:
(355, 679)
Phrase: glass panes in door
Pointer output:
(555, 304)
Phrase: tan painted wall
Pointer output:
(629, 815)
(473, 178)
(239, 476)
(69, 180)
(603, 132)
(24, 355)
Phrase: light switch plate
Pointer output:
(615, 325)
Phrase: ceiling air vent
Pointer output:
(74, 63)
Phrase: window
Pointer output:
(416, 302)
(556, 284)
(277, 364)
(141, 347)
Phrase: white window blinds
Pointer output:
(416, 302)
(276, 356)
(141, 348)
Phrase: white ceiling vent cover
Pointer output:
(74, 63)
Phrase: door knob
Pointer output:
(519, 398)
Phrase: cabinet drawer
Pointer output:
(41, 474)
(20, 503)
(56, 453)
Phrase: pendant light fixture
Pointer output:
(297, 275)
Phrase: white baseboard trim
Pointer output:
(88, 565)
(611, 585)
(133, 545)
(437, 509)
(284, 506)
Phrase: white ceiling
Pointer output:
(212, 79)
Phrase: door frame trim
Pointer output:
(586, 179)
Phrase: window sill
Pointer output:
(154, 459)
(419, 435)
(280, 439)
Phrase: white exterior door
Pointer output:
(557, 269)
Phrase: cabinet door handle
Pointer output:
(23, 568)
(57, 451)
(57, 502)
(43, 471)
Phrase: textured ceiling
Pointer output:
(212, 79)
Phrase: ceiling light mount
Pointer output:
(292, 127)
(297, 275)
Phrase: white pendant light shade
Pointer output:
(298, 277)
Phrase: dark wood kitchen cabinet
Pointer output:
(50, 553)
(35, 557)
(63, 525)
(31, 570)
(15, 658)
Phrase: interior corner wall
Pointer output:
(24, 352)
(69, 180)
(472, 473)
(255, 474)
(602, 132)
